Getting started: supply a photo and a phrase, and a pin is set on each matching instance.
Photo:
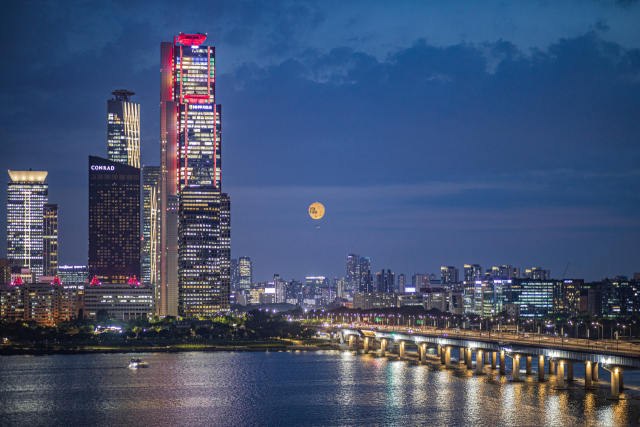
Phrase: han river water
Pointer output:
(326, 388)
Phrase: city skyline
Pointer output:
(489, 152)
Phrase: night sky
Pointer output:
(434, 133)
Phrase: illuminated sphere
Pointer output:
(316, 210)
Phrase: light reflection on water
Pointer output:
(286, 389)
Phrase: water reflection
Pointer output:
(286, 389)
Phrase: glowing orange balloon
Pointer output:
(316, 210)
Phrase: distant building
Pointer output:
(5, 271)
(506, 272)
(513, 310)
(27, 194)
(374, 300)
(123, 129)
(402, 283)
(536, 273)
(620, 297)
(449, 275)
(50, 239)
(385, 282)
(245, 268)
(535, 297)
(353, 268)
(366, 278)
(114, 221)
(234, 275)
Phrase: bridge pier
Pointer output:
(516, 367)
(351, 339)
(503, 370)
(615, 383)
(439, 351)
(461, 355)
(494, 357)
(528, 365)
(552, 367)
(560, 376)
(423, 354)
(443, 356)
(541, 368)
(383, 347)
(588, 367)
(366, 345)
(401, 350)
(479, 362)
(469, 358)
(447, 357)
(594, 372)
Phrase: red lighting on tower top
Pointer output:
(190, 39)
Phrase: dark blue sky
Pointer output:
(435, 133)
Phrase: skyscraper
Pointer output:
(402, 282)
(149, 257)
(245, 268)
(365, 272)
(385, 282)
(123, 129)
(353, 269)
(190, 129)
(114, 221)
(234, 275)
(50, 239)
(26, 196)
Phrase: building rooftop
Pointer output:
(28, 176)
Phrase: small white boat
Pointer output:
(138, 363)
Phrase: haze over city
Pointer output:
(433, 134)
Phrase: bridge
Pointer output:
(492, 348)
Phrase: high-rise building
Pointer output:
(114, 221)
(149, 256)
(234, 275)
(449, 275)
(190, 143)
(365, 271)
(506, 271)
(402, 283)
(385, 282)
(353, 269)
(50, 239)
(245, 275)
(472, 272)
(203, 282)
(123, 129)
(26, 196)
(5, 271)
(536, 273)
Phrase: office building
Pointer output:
(149, 257)
(190, 141)
(120, 300)
(620, 296)
(203, 269)
(245, 272)
(27, 194)
(73, 274)
(449, 275)
(50, 239)
(374, 300)
(366, 279)
(123, 129)
(566, 298)
(420, 282)
(234, 276)
(114, 221)
(535, 297)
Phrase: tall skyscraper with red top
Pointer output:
(190, 136)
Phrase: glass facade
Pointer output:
(535, 297)
(190, 129)
(114, 221)
(245, 272)
(123, 132)
(149, 257)
(27, 194)
(73, 273)
(50, 239)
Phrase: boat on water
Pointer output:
(138, 363)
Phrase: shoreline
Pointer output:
(52, 352)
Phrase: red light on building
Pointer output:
(133, 281)
(197, 99)
(17, 282)
(190, 39)
(56, 281)
(95, 281)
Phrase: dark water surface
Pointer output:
(328, 388)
